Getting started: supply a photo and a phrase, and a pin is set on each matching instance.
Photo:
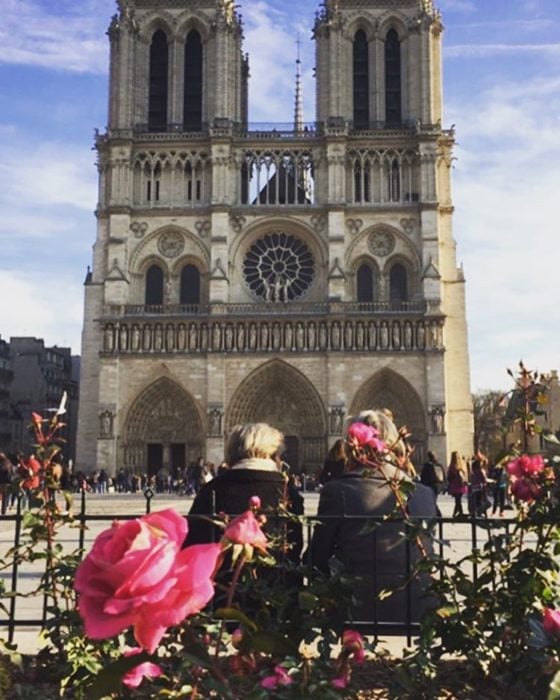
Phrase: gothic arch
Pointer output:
(357, 22)
(294, 226)
(403, 247)
(388, 389)
(352, 281)
(192, 247)
(281, 395)
(164, 414)
(188, 21)
(158, 20)
(392, 20)
(412, 271)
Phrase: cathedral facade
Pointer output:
(293, 274)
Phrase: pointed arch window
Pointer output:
(192, 105)
(154, 286)
(361, 80)
(190, 285)
(365, 284)
(393, 80)
(398, 284)
(158, 88)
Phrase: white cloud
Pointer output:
(46, 305)
(488, 50)
(506, 184)
(59, 35)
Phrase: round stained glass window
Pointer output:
(279, 267)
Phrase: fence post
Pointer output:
(15, 567)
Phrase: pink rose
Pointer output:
(526, 466)
(341, 682)
(254, 502)
(551, 621)
(353, 643)
(246, 529)
(280, 678)
(362, 435)
(136, 574)
(525, 490)
(135, 676)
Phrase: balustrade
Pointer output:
(271, 335)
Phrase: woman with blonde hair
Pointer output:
(254, 456)
(457, 482)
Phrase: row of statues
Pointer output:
(267, 336)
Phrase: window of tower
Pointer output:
(393, 110)
(365, 283)
(192, 106)
(394, 181)
(398, 284)
(361, 80)
(154, 286)
(158, 88)
(190, 285)
(279, 267)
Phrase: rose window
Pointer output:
(279, 267)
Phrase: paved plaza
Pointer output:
(456, 538)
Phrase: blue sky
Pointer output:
(502, 92)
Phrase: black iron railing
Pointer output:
(444, 532)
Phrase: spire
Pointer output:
(298, 111)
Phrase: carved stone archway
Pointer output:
(164, 414)
(278, 394)
(387, 389)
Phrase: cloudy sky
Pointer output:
(502, 89)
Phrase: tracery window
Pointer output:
(365, 284)
(393, 109)
(154, 286)
(398, 283)
(190, 285)
(192, 104)
(361, 80)
(279, 267)
(158, 87)
(277, 177)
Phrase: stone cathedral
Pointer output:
(288, 273)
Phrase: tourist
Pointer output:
(6, 475)
(254, 456)
(335, 462)
(457, 482)
(433, 475)
(379, 557)
(479, 502)
(500, 482)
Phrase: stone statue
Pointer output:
(311, 336)
(170, 338)
(106, 424)
(348, 335)
(147, 338)
(360, 337)
(216, 337)
(300, 339)
(108, 339)
(384, 336)
(123, 338)
(158, 338)
(276, 336)
(135, 341)
(408, 335)
(240, 337)
(335, 336)
(204, 337)
(288, 336)
(372, 335)
(396, 335)
(437, 420)
(264, 337)
(181, 337)
(421, 336)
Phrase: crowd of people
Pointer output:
(475, 478)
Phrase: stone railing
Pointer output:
(270, 309)
(272, 334)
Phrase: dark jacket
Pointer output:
(230, 493)
(379, 556)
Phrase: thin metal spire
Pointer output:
(298, 111)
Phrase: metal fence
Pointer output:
(474, 534)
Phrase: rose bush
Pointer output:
(137, 575)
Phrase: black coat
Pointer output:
(230, 493)
(379, 556)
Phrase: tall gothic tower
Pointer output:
(294, 275)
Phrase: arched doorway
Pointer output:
(163, 429)
(387, 389)
(280, 395)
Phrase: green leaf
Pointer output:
(109, 679)
(235, 614)
(555, 688)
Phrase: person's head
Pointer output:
(388, 432)
(258, 440)
(431, 457)
(456, 462)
